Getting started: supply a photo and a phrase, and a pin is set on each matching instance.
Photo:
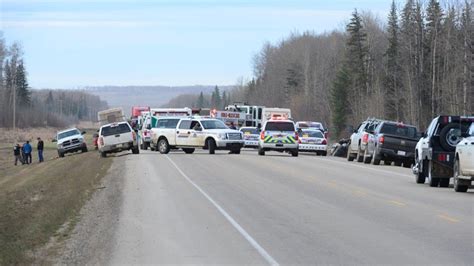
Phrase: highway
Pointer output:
(277, 209)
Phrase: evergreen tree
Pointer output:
(21, 83)
(356, 60)
(50, 102)
(216, 98)
(339, 100)
(224, 100)
(200, 101)
(393, 108)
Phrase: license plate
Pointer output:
(279, 145)
(403, 153)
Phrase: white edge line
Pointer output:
(229, 218)
(368, 168)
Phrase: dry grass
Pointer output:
(37, 200)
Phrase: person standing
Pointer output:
(40, 147)
(17, 154)
(27, 150)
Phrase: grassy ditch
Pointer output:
(37, 200)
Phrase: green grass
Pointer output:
(37, 200)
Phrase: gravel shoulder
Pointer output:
(92, 238)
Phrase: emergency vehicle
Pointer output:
(312, 140)
(253, 113)
(278, 134)
(251, 136)
(229, 117)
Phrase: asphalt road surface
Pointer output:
(277, 209)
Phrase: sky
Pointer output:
(77, 43)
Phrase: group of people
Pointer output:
(22, 153)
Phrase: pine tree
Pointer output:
(224, 100)
(393, 98)
(50, 102)
(21, 83)
(339, 100)
(216, 98)
(356, 60)
(200, 101)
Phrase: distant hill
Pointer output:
(154, 96)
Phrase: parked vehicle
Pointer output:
(339, 149)
(110, 116)
(145, 132)
(392, 142)
(251, 136)
(253, 113)
(273, 113)
(70, 140)
(165, 127)
(117, 137)
(312, 125)
(205, 133)
(360, 139)
(312, 140)
(278, 135)
(435, 151)
(464, 163)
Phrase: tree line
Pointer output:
(417, 65)
(21, 106)
(217, 99)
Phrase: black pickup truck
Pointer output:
(393, 142)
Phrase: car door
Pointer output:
(466, 153)
(183, 132)
(355, 137)
(196, 137)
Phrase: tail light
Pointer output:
(365, 138)
(324, 142)
(443, 157)
(262, 135)
(101, 140)
(381, 139)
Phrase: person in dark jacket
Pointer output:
(27, 149)
(17, 154)
(40, 147)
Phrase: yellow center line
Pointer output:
(398, 203)
(448, 218)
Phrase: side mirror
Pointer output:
(83, 132)
(54, 140)
(148, 127)
(355, 131)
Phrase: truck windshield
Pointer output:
(213, 124)
(280, 126)
(399, 130)
(311, 134)
(68, 133)
(253, 131)
(115, 129)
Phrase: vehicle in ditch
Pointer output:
(117, 137)
(69, 141)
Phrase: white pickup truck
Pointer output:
(117, 137)
(464, 163)
(192, 133)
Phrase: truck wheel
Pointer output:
(61, 154)
(261, 151)
(360, 158)
(407, 164)
(324, 153)
(397, 163)
(350, 158)
(103, 154)
(444, 182)
(432, 181)
(294, 153)
(135, 150)
(163, 146)
(375, 159)
(420, 178)
(84, 149)
(211, 144)
(188, 150)
(450, 136)
(146, 145)
(458, 184)
(235, 151)
(367, 158)
(386, 162)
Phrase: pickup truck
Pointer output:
(70, 140)
(117, 137)
(394, 142)
(360, 139)
(192, 133)
(464, 163)
(165, 127)
(435, 152)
